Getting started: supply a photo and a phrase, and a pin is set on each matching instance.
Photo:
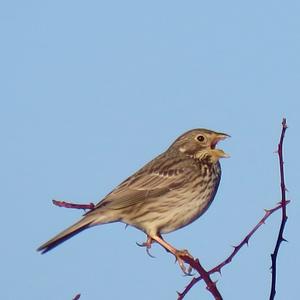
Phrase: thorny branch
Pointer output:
(284, 202)
(195, 264)
(236, 249)
(210, 285)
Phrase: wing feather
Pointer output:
(154, 180)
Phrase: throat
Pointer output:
(209, 168)
(206, 157)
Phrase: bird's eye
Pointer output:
(201, 138)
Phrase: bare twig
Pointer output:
(77, 297)
(188, 287)
(284, 202)
(73, 205)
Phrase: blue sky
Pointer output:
(93, 90)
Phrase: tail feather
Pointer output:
(66, 234)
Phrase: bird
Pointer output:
(170, 192)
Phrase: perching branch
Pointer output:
(205, 275)
(284, 202)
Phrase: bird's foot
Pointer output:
(147, 244)
(178, 255)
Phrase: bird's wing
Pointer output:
(152, 181)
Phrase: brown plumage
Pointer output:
(169, 192)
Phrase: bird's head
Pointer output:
(200, 144)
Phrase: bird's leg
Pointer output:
(177, 253)
(147, 244)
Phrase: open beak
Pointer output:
(219, 137)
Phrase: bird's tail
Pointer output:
(83, 224)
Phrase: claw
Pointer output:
(147, 244)
(186, 271)
(179, 253)
(148, 252)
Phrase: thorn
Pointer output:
(219, 271)
(284, 240)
